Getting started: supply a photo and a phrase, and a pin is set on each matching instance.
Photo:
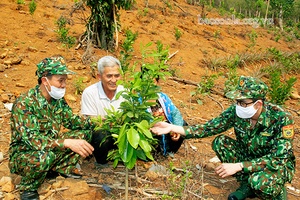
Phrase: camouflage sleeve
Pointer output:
(75, 122)
(26, 128)
(215, 126)
(281, 153)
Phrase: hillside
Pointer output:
(26, 39)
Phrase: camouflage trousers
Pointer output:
(34, 165)
(265, 184)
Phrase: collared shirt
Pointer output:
(265, 144)
(94, 100)
(36, 124)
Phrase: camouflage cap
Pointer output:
(51, 66)
(249, 88)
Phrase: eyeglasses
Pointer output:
(244, 104)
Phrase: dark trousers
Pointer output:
(102, 143)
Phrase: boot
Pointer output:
(242, 193)
(30, 195)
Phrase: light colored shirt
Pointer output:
(94, 100)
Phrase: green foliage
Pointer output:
(253, 36)
(143, 12)
(232, 79)
(127, 49)
(217, 34)
(280, 91)
(20, 2)
(177, 33)
(32, 7)
(104, 21)
(63, 33)
(130, 126)
(178, 182)
(286, 62)
(79, 86)
(204, 86)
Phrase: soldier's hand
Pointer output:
(228, 169)
(82, 147)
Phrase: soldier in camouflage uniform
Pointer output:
(261, 157)
(38, 146)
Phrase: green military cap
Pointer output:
(249, 88)
(52, 65)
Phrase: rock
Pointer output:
(70, 97)
(4, 180)
(45, 188)
(20, 85)
(7, 62)
(86, 79)
(9, 196)
(295, 94)
(78, 189)
(151, 175)
(2, 68)
(69, 76)
(16, 60)
(57, 184)
(8, 186)
(32, 49)
(1, 157)
(4, 98)
(3, 55)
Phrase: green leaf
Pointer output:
(149, 155)
(127, 154)
(130, 114)
(144, 128)
(133, 137)
(144, 144)
(122, 141)
(141, 155)
(131, 163)
(115, 164)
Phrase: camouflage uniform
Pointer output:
(265, 150)
(37, 140)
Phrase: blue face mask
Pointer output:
(56, 93)
(245, 113)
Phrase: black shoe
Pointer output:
(52, 175)
(75, 176)
(243, 192)
(30, 195)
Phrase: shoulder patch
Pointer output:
(288, 131)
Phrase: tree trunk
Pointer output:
(281, 18)
(267, 10)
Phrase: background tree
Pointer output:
(281, 9)
(104, 21)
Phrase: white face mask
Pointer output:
(245, 113)
(56, 93)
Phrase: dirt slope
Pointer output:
(26, 39)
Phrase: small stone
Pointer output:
(151, 175)
(32, 49)
(20, 85)
(70, 97)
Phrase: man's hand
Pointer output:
(228, 169)
(82, 147)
